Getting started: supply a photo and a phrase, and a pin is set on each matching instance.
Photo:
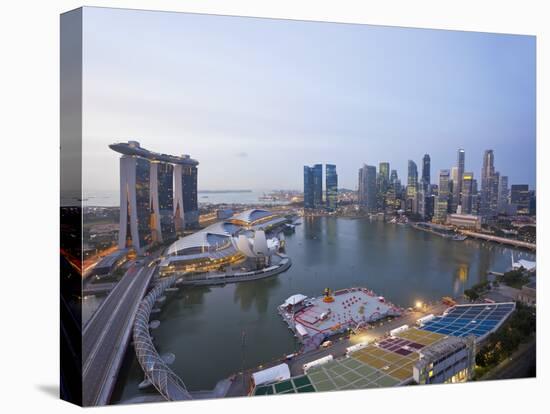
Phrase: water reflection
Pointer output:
(257, 293)
(461, 278)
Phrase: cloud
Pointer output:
(242, 154)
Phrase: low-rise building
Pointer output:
(466, 221)
(450, 360)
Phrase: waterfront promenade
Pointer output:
(223, 278)
(501, 240)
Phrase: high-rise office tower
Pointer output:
(318, 185)
(503, 194)
(457, 181)
(426, 166)
(186, 207)
(147, 195)
(487, 185)
(367, 187)
(442, 200)
(313, 186)
(383, 183)
(308, 187)
(475, 197)
(384, 174)
(493, 202)
(331, 185)
(412, 187)
(520, 197)
(393, 177)
(467, 192)
(421, 197)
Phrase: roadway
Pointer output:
(107, 334)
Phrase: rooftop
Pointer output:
(252, 215)
(134, 148)
(477, 319)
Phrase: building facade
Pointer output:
(313, 187)
(367, 188)
(520, 198)
(487, 198)
(412, 187)
(426, 166)
(331, 185)
(449, 361)
(148, 188)
(465, 221)
(457, 180)
(467, 193)
(442, 201)
(503, 194)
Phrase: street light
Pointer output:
(418, 305)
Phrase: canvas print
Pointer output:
(253, 207)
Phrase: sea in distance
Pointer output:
(205, 326)
(112, 198)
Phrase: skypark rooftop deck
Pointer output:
(133, 148)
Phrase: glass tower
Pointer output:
(331, 184)
(166, 199)
(367, 187)
(143, 210)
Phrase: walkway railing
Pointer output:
(167, 383)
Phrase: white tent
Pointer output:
(294, 299)
(276, 373)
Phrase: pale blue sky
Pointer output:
(255, 99)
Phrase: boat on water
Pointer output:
(459, 237)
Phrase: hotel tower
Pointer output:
(158, 195)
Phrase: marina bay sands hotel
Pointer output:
(158, 195)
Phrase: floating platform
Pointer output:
(348, 309)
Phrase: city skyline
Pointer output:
(370, 94)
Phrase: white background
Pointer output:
(29, 134)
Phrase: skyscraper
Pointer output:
(487, 178)
(457, 181)
(467, 192)
(412, 187)
(393, 177)
(426, 177)
(384, 174)
(503, 194)
(313, 186)
(442, 200)
(520, 197)
(367, 187)
(186, 207)
(383, 183)
(148, 188)
(165, 174)
(331, 185)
